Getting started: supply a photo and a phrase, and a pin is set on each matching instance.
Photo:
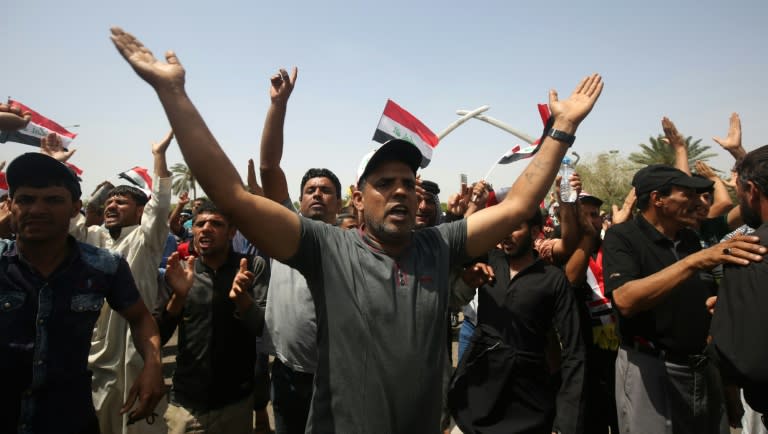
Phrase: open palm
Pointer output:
(156, 73)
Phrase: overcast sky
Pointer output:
(695, 62)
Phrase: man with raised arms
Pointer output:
(364, 281)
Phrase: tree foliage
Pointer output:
(183, 180)
(661, 152)
(607, 176)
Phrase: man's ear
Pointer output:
(357, 200)
(76, 206)
(655, 198)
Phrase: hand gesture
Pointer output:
(739, 250)
(569, 113)
(282, 85)
(178, 277)
(733, 140)
(710, 303)
(160, 148)
(478, 275)
(732, 181)
(51, 146)
(12, 119)
(239, 292)
(672, 137)
(168, 75)
(183, 199)
(479, 195)
(148, 389)
(704, 170)
(459, 202)
(625, 213)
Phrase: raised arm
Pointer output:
(158, 154)
(205, 158)
(272, 175)
(174, 220)
(485, 228)
(676, 141)
(721, 202)
(732, 142)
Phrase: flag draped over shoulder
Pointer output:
(521, 153)
(397, 123)
(139, 177)
(37, 128)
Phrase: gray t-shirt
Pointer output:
(291, 329)
(381, 327)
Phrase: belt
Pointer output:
(648, 348)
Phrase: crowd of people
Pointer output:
(577, 318)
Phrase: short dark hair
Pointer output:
(754, 167)
(343, 216)
(138, 196)
(645, 199)
(206, 207)
(321, 173)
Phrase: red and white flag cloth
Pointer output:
(139, 177)
(3, 184)
(521, 153)
(37, 128)
(397, 123)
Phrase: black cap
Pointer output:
(430, 186)
(656, 176)
(37, 170)
(588, 198)
(392, 150)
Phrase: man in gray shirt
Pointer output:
(380, 292)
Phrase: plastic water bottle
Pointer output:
(566, 170)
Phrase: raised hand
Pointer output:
(160, 75)
(478, 275)
(51, 146)
(162, 146)
(240, 284)
(459, 202)
(183, 199)
(672, 136)
(625, 213)
(282, 85)
(178, 277)
(733, 139)
(704, 170)
(569, 113)
(12, 119)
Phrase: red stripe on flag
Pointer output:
(401, 116)
(41, 120)
(544, 113)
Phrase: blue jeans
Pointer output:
(291, 397)
(465, 333)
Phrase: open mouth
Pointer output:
(399, 212)
(204, 242)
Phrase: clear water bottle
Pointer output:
(566, 170)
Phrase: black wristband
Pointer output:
(561, 136)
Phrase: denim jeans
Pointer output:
(465, 332)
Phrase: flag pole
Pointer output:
(485, 178)
(467, 116)
(499, 124)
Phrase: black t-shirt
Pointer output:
(738, 326)
(680, 322)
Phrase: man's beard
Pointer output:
(523, 248)
(751, 217)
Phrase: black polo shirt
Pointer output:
(680, 322)
(738, 326)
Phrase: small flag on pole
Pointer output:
(37, 128)
(397, 123)
(139, 177)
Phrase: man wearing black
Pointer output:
(739, 339)
(212, 303)
(503, 383)
(657, 277)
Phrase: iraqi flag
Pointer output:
(397, 123)
(521, 153)
(139, 177)
(37, 128)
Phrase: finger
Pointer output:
(191, 262)
(69, 153)
(582, 84)
(243, 265)
(132, 395)
(552, 97)
(294, 75)
(592, 85)
(170, 57)
(718, 140)
(142, 409)
(735, 124)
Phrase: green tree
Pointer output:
(183, 180)
(607, 176)
(660, 152)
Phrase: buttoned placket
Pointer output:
(39, 358)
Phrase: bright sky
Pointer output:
(694, 61)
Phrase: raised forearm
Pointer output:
(681, 159)
(722, 200)
(271, 153)
(570, 233)
(576, 267)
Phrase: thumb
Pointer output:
(69, 153)
(170, 57)
(243, 265)
(552, 97)
(191, 261)
(718, 140)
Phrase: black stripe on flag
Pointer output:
(382, 137)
